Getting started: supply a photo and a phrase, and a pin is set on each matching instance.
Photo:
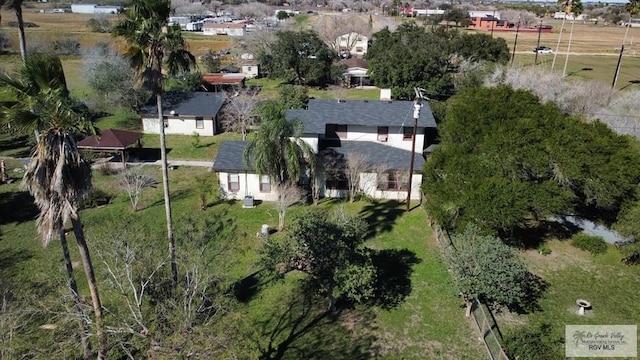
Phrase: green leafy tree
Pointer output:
(299, 57)
(277, 150)
(506, 161)
(486, 268)
(16, 6)
(152, 42)
(57, 175)
(458, 16)
(480, 47)
(327, 248)
(410, 57)
(282, 15)
(293, 96)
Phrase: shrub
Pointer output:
(96, 197)
(630, 253)
(107, 169)
(593, 244)
(543, 250)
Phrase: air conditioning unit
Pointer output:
(382, 138)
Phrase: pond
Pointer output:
(593, 229)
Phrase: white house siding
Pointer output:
(249, 185)
(360, 46)
(311, 140)
(394, 138)
(250, 70)
(368, 183)
(178, 126)
(368, 186)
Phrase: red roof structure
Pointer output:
(110, 139)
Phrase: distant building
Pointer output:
(230, 29)
(94, 9)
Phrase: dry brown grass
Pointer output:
(54, 26)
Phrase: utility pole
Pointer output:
(535, 61)
(493, 21)
(615, 77)
(417, 105)
(515, 42)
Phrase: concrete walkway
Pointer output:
(196, 163)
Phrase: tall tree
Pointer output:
(151, 42)
(277, 150)
(57, 176)
(576, 9)
(16, 6)
(411, 57)
(506, 162)
(299, 57)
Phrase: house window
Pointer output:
(234, 182)
(337, 181)
(394, 181)
(199, 123)
(166, 121)
(359, 49)
(407, 133)
(265, 184)
(383, 133)
(334, 131)
(248, 68)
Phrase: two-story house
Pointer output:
(379, 133)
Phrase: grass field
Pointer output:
(425, 318)
(573, 274)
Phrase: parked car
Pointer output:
(543, 50)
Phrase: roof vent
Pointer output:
(341, 101)
(366, 101)
(172, 112)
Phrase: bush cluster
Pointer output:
(593, 244)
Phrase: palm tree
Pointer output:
(57, 175)
(150, 42)
(565, 6)
(576, 9)
(632, 7)
(277, 150)
(16, 6)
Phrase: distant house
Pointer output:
(484, 13)
(357, 73)
(559, 15)
(184, 114)
(353, 44)
(251, 69)
(229, 29)
(379, 132)
(94, 9)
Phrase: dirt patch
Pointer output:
(562, 255)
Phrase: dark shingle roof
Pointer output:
(229, 156)
(190, 104)
(359, 112)
(389, 158)
(110, 139)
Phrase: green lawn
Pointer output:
(571, 274)
(420, 317)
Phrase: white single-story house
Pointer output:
(352, 43)
(357, 72)
(230, 29)
(184, 114)
(378, 132)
